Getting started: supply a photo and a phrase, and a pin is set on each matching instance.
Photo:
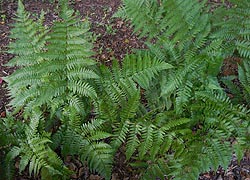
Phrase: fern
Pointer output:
(188, 94)
(143, 68)
(53, 79)
(35, 153)
(233, 26)
(244, 79)
(146, 15)
(117, 87)
(156, 170)
(163, 105)
(85, 140)
(132, 124)
(99, 157)
(147, 140)
(11, 130)
(58, 69)
(182, 39)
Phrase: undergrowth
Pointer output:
(163, 105)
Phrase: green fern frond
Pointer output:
(177, 79)
(179, 18)
(233, 26)
(120, 134)
(133, 141)
(82, 88)
(244, 48)
(173, 124)
(244, 77)
(156, 170)
(93, 126)
(99, 158)
(158, 139)
(71, 142)
(60, 68)
(13, 153)
(118, 85)
(182, 97)
(129, 111)
(85, 140)
(35, 153)
(143, 68)
(147, 135)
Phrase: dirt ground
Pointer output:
(115, 38)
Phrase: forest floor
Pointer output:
(114, 39)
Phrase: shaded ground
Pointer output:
(114, 40)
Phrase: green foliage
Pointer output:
(185, 38)
(240, 92)
(61, 69)
(85, 140)
(244, 77)
(10, 131)
(35, 152)
(233, 25)
(163, 106)
(54, 69)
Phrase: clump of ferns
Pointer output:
(54, 68)
(157, 136)
(185, 39)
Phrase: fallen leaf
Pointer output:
(126, 41)
(72, 167)
(3, 114)
(94, 177)
(81, 171)
(207, 176)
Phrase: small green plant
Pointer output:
(3, 17)
(110, 29)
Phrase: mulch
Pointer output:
(115, 38)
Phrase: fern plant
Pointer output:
(11, 131)
(185, 38)
(50, 85)
(157, 136)
(33, 148)
(233, 27)
(244, 76)
(163, 105)
(142, 131)
(84, 139)
(240, 90)
(58, 70)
